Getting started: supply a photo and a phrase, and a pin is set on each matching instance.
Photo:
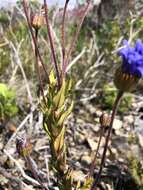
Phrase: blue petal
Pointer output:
(132, 58)
(139, 46)
(125, 42)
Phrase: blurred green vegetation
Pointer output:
(4, 58)
(132, 139)
(8, 107)
(106, 35)
(4, 18)
(136, 171)
(108, 98)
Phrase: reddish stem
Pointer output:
(34, 40)
(116, 104)
(51, 44)
(37, 67)
(63, 30)
(91, 171)
(74, 39)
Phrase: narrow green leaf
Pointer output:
(65, 114)
(59, 142)
(60, 96)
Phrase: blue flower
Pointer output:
(132, 58)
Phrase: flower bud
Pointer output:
(105, 120)
(23, 147)
(125, 82)
(37, 20)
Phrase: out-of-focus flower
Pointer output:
(131, 70)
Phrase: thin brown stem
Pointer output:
(51, 44)
(37, 66)
(74, 39)
(63, 30)
(91, 171)
(115, 107)
(33, 37)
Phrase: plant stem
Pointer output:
(63, 30)
(33, 37)
(114, 110)
(94, 160)
(51, 44)
(74, 39)
(37, 67)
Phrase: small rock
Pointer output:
(21, 162)
(100, 152)
(121, 160)
(86, 160)
(98, 113)
(90, 108)
(122, 145)
(129, 119)
(3, 180)
(40, 143)
(136, 150)
(95, 128)
(114, 151)
(78, 176)
(80, 138)
(28, 187)
(1, 145)
(92, 144)
(139, 126)
(3, 159)
(108, 187)
(140, 139)
(117, 124)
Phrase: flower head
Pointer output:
(131, 70)
(105, 120)
(37, 20)
(23, 147)
(132, 58)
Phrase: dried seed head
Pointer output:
(23, 147)
(105, 120)
(37, 20)
(125, 82)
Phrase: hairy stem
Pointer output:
(114, 110)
